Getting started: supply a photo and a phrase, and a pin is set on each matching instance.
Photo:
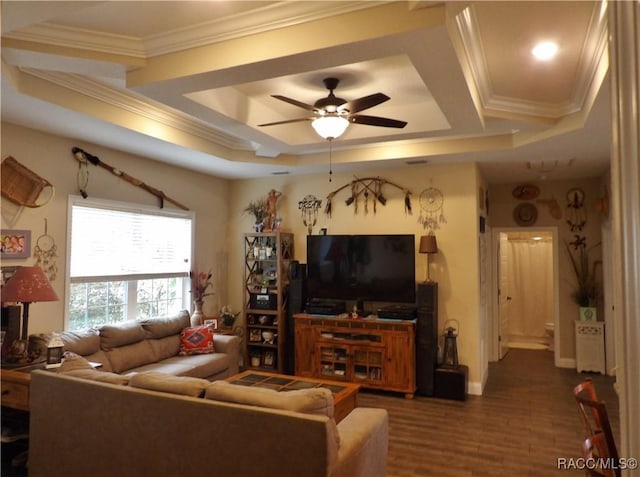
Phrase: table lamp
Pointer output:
(26, 285)
(428, 245)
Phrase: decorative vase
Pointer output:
(197, 317)
(588, 313)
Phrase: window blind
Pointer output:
(125, 244)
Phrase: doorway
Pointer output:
(526, 283)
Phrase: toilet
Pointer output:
(549, 329)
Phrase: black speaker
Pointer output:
(297, 301)
(452, 382)
(426, 338)
(11, 326)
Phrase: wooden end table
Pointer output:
(345, 395)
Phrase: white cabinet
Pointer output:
(590, 346)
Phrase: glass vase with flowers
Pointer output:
(200, 285)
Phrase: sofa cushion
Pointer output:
(128, 332)
(166, 347)
(131, 356)
(170, 384)
(102, 376)
(196, 340)
(161, 327)
(317, 401)
(197, 366)
(310, 401)
(82, 342)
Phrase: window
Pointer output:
(126, 262)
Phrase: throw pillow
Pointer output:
(196, 340)
(72, 361)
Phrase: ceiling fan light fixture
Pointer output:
(330, 127)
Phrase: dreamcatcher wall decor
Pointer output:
(431, 209)
(365, 190)
(309, 208)
(46, 253)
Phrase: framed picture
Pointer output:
(54, 356)
(15, 244)
(213, 323)
(267, 358)
(255, 336)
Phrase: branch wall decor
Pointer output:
(365, 189)
(84, 157)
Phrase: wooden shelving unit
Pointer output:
(266, 276)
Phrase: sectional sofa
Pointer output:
(88, 422)
(155, 345)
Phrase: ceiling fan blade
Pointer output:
(363, 103)
(377, 121)
(295, 102)
(286, 122)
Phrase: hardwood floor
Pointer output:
(526, 420)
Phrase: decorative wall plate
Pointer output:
(526, 192)
(525, 214)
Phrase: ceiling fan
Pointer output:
(332, 115)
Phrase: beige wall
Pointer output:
(455, 267)
(50, 157)
(502, 204)
(220, 223)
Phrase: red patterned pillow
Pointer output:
(196, 340)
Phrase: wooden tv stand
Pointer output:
(377, 354)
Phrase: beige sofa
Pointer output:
(131, 426)
(153, 345)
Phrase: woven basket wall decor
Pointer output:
(23, 186)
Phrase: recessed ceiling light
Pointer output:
(545, 50)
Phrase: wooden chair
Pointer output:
(596, 424)
(590, 451)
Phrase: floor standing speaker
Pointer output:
(426, 338)
(297, 302)
(11, 327)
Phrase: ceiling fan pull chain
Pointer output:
(330, 171)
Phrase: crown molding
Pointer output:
(270, 17)
(595, 48)
(138, 105)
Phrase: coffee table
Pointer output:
(345, 395)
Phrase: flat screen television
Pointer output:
(377, 268)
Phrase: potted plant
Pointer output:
(227, 316)
(587, 288)
(258, 209)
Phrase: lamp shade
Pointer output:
(28, 285)
(330, 127)
(428, 244)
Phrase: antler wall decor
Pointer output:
(83, 157)
(362, 189)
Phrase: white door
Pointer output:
(503, 299)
